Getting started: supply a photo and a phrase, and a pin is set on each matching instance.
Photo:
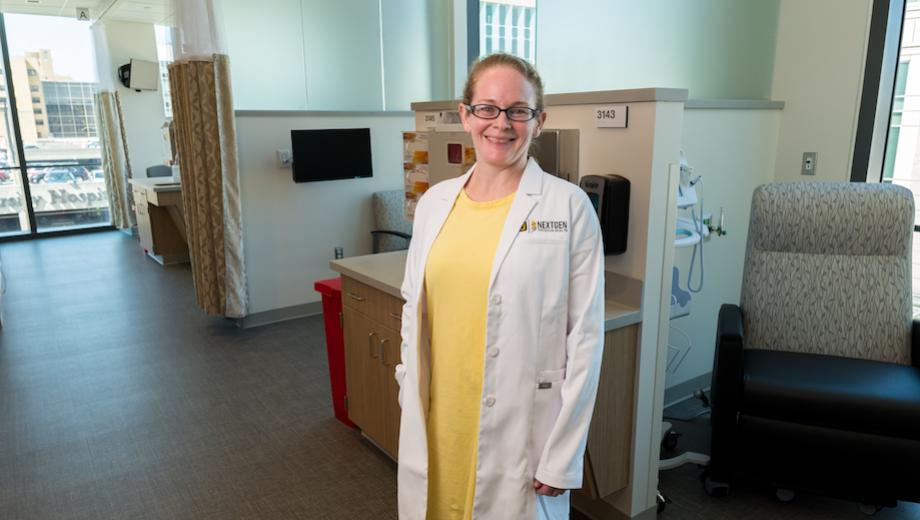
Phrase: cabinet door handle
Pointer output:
(395, 316)
(370, 345)
(383, 352)
(356, 297)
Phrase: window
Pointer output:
(508, 26)
(894, 129)
(888, 132)
(33, 88)
(165, 57)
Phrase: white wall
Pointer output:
(408, 63)
(345, 55)
(342, 54)
(734, 151)
(143, 111)
(714, 48)
(265, 45)
(818, 73)
(290, 230)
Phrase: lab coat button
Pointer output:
(493, 351)
(496, 299)
(490, 401)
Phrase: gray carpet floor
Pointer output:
(119, 399)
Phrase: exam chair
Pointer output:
(816, 377)
(393, 231)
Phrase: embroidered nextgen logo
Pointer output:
(551, 226)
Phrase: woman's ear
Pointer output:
(464, 116)
(541, 120)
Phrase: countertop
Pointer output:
(158, 184)
(384, 271)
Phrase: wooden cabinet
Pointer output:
(608, 455)
(372, 342)
(610, 435)
(160, 220)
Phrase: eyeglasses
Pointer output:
(513, 113)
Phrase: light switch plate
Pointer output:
(284, 158)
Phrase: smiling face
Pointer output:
(501, 143)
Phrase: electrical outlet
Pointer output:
(339, 253)
(809, 163)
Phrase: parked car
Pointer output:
(98, 174)
(81, 173)
(36, 175)
(5, 177)
(91, 144)
(59, 176)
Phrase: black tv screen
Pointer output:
(325, 155)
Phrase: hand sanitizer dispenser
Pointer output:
(610, 196)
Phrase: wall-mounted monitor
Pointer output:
(140, 75)
(325, 155)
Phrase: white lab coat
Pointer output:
(545, 324)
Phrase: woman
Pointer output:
(502, 330)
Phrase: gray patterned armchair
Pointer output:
(816, 377)
(393, 230)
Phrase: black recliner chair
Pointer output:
(816, 377)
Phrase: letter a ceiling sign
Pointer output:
(83, 14)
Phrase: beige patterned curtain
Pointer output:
(206, 143)
(115, 161)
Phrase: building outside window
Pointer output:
(508, 26)
(70, 108)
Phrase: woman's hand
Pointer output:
(543, 489)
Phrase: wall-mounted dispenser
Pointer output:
(610, 196)
(556, 151)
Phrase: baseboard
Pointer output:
(293, 312)
(683, 391)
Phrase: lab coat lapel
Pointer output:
(527, 197)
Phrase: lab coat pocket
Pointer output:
(546, 406)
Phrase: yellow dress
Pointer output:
(457, 284)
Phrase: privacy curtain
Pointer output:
(206, 144)
(115, 161)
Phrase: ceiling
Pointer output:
(145, 11)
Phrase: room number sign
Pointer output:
(611, 116)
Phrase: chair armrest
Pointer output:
(400, 234)
(915, 343)
(377, 233)
(727, 372)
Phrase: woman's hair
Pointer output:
(504, 60)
